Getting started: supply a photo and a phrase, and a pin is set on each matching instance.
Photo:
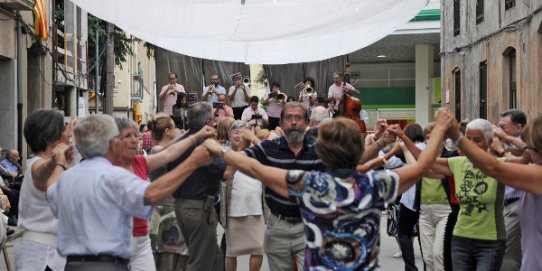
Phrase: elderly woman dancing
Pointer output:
(525, 177)
(43, 130)
(341, 207)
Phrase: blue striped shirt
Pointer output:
(276, 153)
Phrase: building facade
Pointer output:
(491, 57)
(135, 85)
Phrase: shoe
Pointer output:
(398, 254)
(10, 232)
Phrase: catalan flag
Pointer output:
(41, 26)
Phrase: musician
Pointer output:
(255, 115)
(274, 101)
(211, 92)
(239, 95)
(221, 109)
(338, 89)
(308, 99)
(331, 108)
(168, 94)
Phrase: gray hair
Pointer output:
(198, 115)
(93, 133)
(238, 124)
(318, 114)
(123, 123)
(483, 126)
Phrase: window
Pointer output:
(508, 4)
(483, 90)
(457, 18)
(479, 11)
(457, 90)
(512, 75)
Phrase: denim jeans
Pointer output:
(475, 254)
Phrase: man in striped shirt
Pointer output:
(284, 236)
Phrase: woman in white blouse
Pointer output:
(244, 219)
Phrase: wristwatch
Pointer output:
(224, 150)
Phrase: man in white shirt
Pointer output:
(338, 89)
(168, 94)
(211, 92)
(239, 95)
(95, 201)
(255, 115)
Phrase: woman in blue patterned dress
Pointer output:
(340, 207)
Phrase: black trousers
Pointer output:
(273, 123)
(448, 232)
(405, 230)
(238, 112)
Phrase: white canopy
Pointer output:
(257, 31)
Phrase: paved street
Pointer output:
(388, 263)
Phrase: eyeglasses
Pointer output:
(290, 118)
(529, 148)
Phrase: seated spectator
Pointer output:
(11, 164)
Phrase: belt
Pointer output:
(510, 201)
(97, 258)
(289, 219)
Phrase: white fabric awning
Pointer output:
(258, 31)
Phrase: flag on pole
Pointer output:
(41, 26)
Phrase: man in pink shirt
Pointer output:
(337, 90)
(168, 94)
(221, 109)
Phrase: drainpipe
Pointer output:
(20, 49)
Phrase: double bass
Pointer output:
(351, 106)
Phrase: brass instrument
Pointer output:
(309, 90)
(211, 89)
(246, 81)
(172, 92)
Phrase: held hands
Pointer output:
(62, 153)
(212, 146)
(205, 132)
(380, 127)
(396, 130)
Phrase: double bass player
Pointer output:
(337, 91)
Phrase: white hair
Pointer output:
(93, 133)
(483, 126)
(318, 114)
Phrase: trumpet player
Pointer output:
(239, 95)
(275, 101)
(307, 96)
(168, 94)
(211, 92)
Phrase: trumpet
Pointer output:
(246, 81)
(211, 89)
(309, 90)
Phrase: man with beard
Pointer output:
(284, 236)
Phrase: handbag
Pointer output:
(4, 203)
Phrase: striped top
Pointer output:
(276, 153)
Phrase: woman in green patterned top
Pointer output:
(479, 237)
